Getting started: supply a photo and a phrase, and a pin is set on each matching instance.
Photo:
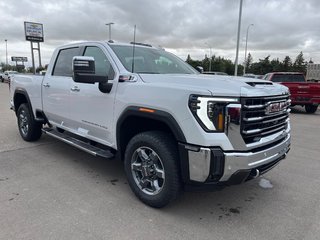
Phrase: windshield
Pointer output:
(288, 78)
(150, 60)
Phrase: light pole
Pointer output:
(238, 40)
(245, 50)
(210, 57)
(6, 52)
(109, 24)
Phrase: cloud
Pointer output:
(184, 26)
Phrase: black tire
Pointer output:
(29, 129)
(162, 169)
(311, 108)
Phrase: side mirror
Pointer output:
(83, 64)
(83, 69)
(200, 69)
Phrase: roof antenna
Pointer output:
(133, 47)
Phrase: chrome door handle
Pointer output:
(75, 89)
(46, 85)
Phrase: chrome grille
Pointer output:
(262, 117)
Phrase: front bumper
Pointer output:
(214, 167)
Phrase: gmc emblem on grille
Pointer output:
(276, 107)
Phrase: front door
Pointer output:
(91, 109)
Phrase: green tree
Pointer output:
(220, 64)
(229, 67)
(193, 63)
(276, 65)
(299, 64)
(188, 59)
(287, 64)
(205, 63)
(6, 67)
(248, 63)
(262, 67)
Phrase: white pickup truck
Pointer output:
(175, 129)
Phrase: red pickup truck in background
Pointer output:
(303, 93)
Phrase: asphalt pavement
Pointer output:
(50, 190)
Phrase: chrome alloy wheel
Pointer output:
(23, 122)
(147, 170)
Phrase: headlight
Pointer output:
(210, 112)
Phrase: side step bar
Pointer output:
(95, 151)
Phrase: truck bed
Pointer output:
(30, 83)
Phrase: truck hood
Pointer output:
(219, 85)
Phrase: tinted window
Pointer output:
(63, 66)
(287, 78)
(102, 64)
(150, 60)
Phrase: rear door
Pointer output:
(56, 88)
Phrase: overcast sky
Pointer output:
(281, 27)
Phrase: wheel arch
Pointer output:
(134, 120)
(21, 96)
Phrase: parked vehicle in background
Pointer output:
(174, 128)
(303, 93)
(8, 75)
(1, 76)
(215, 73)
(251, 75)
(313, 72)
(43, 72)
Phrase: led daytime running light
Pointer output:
(210, 112)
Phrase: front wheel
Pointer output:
(311, 108)
(151, 166)
(29, 129)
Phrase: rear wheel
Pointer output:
(29, 129)
(151, 168)
(311, 108)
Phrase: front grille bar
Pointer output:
(264, 105)
(262, 130)
(258, 122)
(268, 116)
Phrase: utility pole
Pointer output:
(245, 51)
(6, 51)
(210, 56)
(109, 24)
(238, 40)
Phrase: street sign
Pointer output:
(19, 59)
(33, 31)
